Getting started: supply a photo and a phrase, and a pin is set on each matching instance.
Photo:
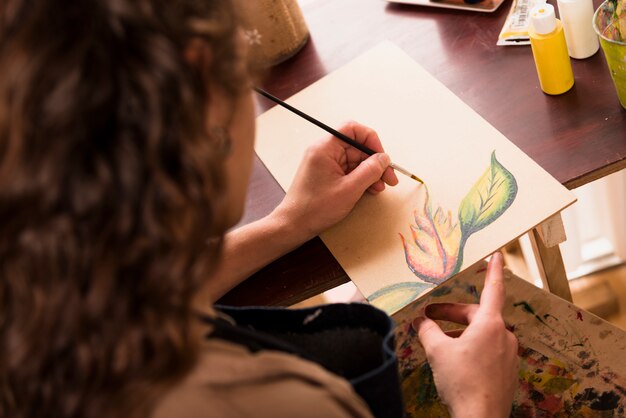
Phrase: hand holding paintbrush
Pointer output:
(331, 178)
(333, 132)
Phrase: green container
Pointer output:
(613, 46)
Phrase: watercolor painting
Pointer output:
(413, 120)
(571, 362)
(434, 250)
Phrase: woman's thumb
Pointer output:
(368, 172)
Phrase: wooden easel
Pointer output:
(545, 240)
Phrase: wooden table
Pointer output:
(577, 137)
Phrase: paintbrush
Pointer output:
(334, 132)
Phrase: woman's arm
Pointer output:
(330, 180)
(249, 248)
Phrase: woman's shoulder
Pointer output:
(231, 381)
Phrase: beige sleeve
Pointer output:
(231, 382)
(285, 399)
(296, 398)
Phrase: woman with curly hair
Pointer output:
(126, 141)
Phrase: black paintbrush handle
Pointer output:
(316, 122)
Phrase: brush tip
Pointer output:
(414, 177)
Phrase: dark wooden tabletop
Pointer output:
(577, 137)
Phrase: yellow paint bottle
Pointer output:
(550, 50)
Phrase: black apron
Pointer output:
(355, 341)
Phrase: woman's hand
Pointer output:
(475, 372)
(332, 178)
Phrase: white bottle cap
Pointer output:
(542, 19)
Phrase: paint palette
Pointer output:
(571, 361)
(485, 6)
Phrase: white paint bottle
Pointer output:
(577, 19)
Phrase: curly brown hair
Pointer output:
(110, 186)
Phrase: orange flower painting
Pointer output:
(434, 250)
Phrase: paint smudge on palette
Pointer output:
(548, 388)
(421, 396)
(605, 333)
(551, 388)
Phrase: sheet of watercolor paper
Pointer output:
(571, 361)
(482, 191)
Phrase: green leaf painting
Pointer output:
(434, 252)
(490, 196)
(394, 297)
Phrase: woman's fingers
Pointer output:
(493, 295)
(491, 301)
(429, 333)
(460, 313)
(369, 138)
(390, 177)
(455, 333)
